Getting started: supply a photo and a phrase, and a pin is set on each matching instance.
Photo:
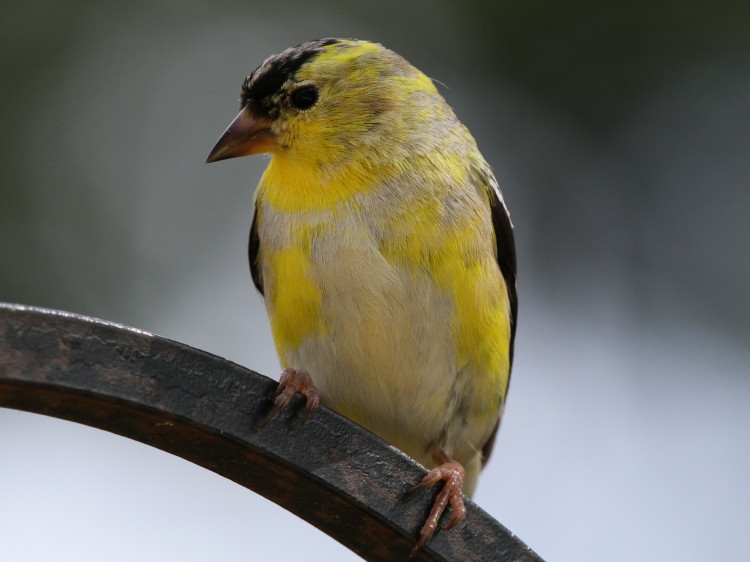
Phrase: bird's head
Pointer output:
(326, 101)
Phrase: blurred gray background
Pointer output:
(621, 137)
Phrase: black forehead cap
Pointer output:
(271, 75)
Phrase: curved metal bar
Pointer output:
(330, 472)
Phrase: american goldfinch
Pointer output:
(384, 252)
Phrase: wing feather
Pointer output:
(506, 259)
(253, 253)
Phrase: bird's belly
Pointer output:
(416, 354)
(386, 361)
(380, 347)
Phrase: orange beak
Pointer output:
(247, 134)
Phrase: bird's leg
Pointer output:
(453, 474)
(291, 382)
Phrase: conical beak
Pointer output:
(247, 134)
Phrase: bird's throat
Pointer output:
(292, 184)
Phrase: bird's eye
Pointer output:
(304, 97)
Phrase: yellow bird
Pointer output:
(385, 254)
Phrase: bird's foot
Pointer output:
(453, 474)
(291, 382)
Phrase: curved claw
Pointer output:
(291, 382)
(452, 493)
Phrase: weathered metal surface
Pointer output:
(329, 471)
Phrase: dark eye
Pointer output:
(304, 97)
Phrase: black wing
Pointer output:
(506, 253)
(506, 259)
(253, 253)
